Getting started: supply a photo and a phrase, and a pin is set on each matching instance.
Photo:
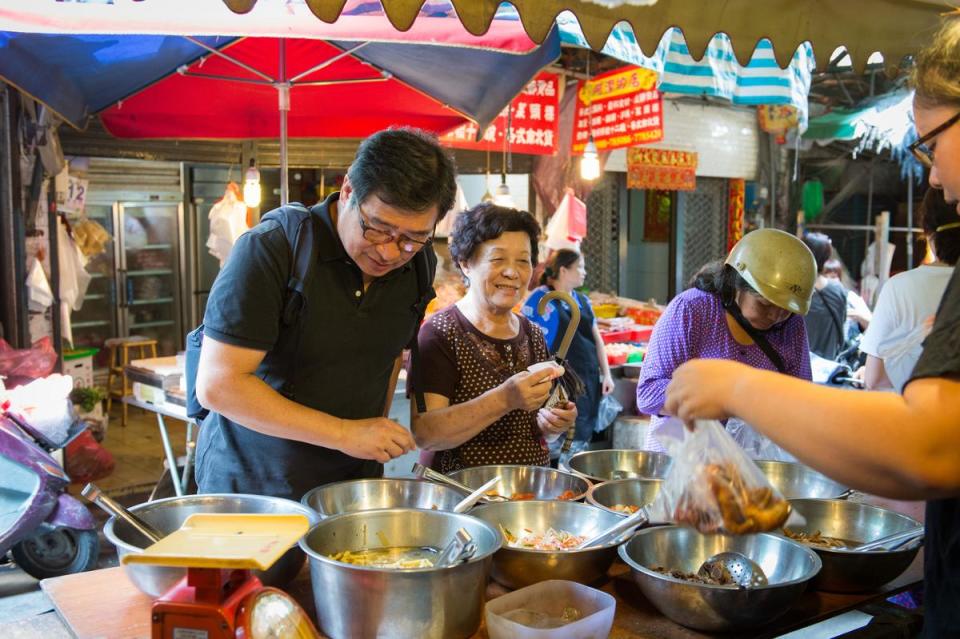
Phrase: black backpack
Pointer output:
(299, 225)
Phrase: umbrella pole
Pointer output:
(283, 89)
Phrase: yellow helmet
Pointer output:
(777, 265)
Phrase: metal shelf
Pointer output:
(90, 324)
(166, 246)
(159, 300)
(151, 324)
(154, 271)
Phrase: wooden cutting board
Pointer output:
(100, 604)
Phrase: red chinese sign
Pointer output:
(534, 122)
(620, 108)
(661, 169)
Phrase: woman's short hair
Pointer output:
(486, 222)
(821, 247)
(562, 258)
(833, 267)
(721, 280)
(937, 213)
(936, 74)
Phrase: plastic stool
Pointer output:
(120, 348)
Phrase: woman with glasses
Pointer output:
(484, 404)
(898, 446)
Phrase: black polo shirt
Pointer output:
(346, 349)
(941, 570)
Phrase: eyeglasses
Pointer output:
(379, 236)
(922, 151)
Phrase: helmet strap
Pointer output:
(756, 335)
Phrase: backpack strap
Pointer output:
(303, 257)
(758, 338)
(425, 264)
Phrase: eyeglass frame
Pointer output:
(924, 153)
(411, 247)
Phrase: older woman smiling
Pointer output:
(483, 405)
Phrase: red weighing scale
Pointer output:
(220, 598)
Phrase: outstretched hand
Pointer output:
(701, 388)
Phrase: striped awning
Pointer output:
(717, 73)
(895, 28)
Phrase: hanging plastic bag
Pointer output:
(757, 446)
(715, 487)
(23, 365)
(85, 460)
(609, 409)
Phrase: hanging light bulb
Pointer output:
(251, 185)
(590, 162)
(502, 196)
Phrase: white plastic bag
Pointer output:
(609, 409)
(715, 487)
(757, 446)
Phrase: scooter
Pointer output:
(47, 532)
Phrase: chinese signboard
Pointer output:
(620, 108)
(533, 127)
(777, 119)
(735, 211)
(661, 169)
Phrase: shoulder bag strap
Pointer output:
(837, 324)
(425, 264)
(757, 337)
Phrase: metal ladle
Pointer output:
(94, 494)
(733, 567)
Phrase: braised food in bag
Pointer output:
(715, 487)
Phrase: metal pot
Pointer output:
(375, 494)
(629, 492)
(167, 515)
(606, 465)
(796, 481)
(357, 602)
(543, 482)
(846, 570)
(787, 565)
(519, 567)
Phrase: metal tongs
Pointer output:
(623, 526)
(94, 494)
(423, 472)
(460, 549)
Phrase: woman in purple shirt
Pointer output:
(757, 295)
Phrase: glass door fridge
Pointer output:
(96, 321)
(148, 273)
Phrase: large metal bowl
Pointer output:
(628, 492)
(376, 494)
(606, 465)
(796, 481)
(543, 482)
(166, 515)
(517, 567)
(357, 602)
(845, 570)
(787, 565)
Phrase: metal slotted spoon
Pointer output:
(727, 567)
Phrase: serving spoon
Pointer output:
(735, 567)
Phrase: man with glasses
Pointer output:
(294, 408)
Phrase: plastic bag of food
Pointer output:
(715, 487)
(609, 409)
(756, 445)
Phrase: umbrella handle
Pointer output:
(574, 318)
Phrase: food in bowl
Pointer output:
(707, 579)
(819, 539)
(742, 510)
(548, 540)
(626, 509)
(398, 558)
(567, 495)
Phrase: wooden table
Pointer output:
(103, 603)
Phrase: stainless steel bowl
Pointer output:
(787, 565)
(796, 481)
(517, 567)
(845, 570)
(166, 515)
(543, 482)
(606, 465)
(356, 602)
(629, 492)
(376, 494)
